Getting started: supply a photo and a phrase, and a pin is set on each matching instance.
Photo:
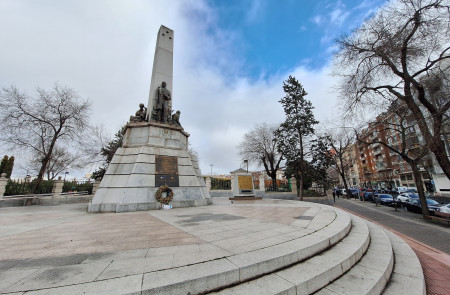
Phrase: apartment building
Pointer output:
(376, 165)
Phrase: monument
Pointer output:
(153, 167)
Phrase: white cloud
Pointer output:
(317, 19)
(255, 10)
(104, 50)
(338, 16)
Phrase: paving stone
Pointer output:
(195, 279)
(130, 285)
(268, 285)
(59, 276)
(10, 277)
(121, 268)
(201, 253)
(120, 255)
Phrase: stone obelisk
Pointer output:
(162, 65)
(154, 154)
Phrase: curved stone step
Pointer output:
(314, 273)
(371, 274)
(235, 269)
(407, 276)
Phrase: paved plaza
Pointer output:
(62, 249)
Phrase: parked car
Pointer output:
(405, 197)
(368, 196)
(354, 192)
(384, 199)
(414, 206)
(444, 208)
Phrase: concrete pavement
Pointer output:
(65, 250)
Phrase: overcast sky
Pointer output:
(230, 59)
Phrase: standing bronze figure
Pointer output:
(163, 100)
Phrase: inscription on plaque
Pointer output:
(170, 180)
(245, 184)
(166, 171)
(166, 165)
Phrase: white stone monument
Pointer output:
(154, 152)
(243, 185)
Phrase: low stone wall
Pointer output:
(265, 195)
(48, 200)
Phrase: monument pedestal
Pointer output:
(153, 154)
(243, 187)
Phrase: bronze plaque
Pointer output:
(245, 182)
(166, 165)
(169, 179)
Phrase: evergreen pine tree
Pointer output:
(294, 134)
(9, 167)
(3, 164)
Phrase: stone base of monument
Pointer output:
(243, 187)
(245, 198)
(152, 155)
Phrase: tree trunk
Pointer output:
(438, 149)
(274, 183)
(435, 143)
(421, 192)
(300, 188)
(44, 164)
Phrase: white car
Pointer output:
(445, 208)
(405, 197)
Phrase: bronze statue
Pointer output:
(154, 114)
(176, 118)
(140, 114)
(162, 99)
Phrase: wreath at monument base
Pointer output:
(159, 194)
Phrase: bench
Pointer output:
(440, 216)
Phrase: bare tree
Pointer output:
(39, 124)
(61, 160)
(341, 143)
(260, 146)
(402, 141)
(389, 55)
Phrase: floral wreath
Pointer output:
(169, 194)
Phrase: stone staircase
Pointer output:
(322, 250)
(347, 256)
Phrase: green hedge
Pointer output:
(20, 187)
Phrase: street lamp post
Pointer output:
(246, 161)
(211, 167)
